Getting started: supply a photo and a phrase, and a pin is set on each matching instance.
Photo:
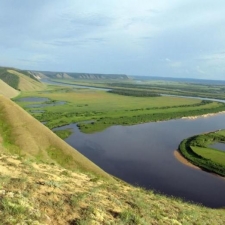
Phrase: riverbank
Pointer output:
(183, 160)
(204, 115)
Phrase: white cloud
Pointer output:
(129, 36)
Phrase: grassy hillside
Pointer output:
(26, 83)
(9, 78)
(20, 80)
(7, 90)
(25, 136)
(39, 193)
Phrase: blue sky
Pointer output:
(136, 37)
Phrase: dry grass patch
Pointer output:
(26, 83)
(50, 194)
(7, 91)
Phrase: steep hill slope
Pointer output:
(7, 90)
(26, 136)
(38, 193)
(9, 78)
(27, 83)
(20, 80)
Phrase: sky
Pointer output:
(135, 37)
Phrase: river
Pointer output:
(58, 83)
(143, 155)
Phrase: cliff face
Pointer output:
(92, 76)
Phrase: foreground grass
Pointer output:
(39, 193)
(196, 150)
(107, 109)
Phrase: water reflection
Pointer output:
(33, 99)
(219, 146)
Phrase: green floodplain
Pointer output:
(198, 151)
(154, 87)
(123, 106)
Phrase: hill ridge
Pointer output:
(26, 83)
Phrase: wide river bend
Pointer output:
(144, 155)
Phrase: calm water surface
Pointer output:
(58, 83)
(46, 104)
(32, 99)
(219, 146)
(143, 155)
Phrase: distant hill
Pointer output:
(61, 75)
(20, 79)
(7, 90)
(176, 79)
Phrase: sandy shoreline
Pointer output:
(184, 161)
(204, 115)
(181, 159)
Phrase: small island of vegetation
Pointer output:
(198, 151)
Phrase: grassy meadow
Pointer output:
(105, 109)
(63, 133)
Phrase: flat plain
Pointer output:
(75, 105)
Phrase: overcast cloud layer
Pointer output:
(136, 37)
